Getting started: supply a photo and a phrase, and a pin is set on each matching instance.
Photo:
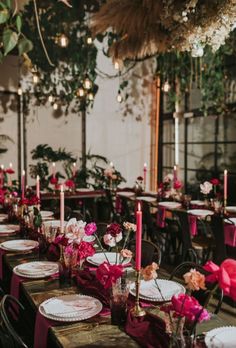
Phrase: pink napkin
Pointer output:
(2, 252)
(42, 325)
(192, 224)
(161, 214)
(230, 235)
(118, 205)
(225, 275)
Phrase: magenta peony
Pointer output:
(108, 274)
(114, 229)
(90, 228)
(62, 240)
(85, 249)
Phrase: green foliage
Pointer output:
(46, 153)
(10, 30)
(72, 64)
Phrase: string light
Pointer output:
(166, 87)
(55, 106)
(50, 99)
(80, 92)
(19, 91)
(87, 83)
(35, 78)
(89, 41)
(90, 96)
(63, 40)
(119, 97)
(116, 65)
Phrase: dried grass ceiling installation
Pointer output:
(147, 27)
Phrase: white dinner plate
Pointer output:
(230, 220)
(149, 290)
(125, 194)
(146, 199)
(89, 239)
(200, 212)
(46, 213)
(36, 269)
(222, 337)
(199, 203)
(70, 308)
(231, 209)
(170, 205)
(53, 223)
(99, 258)
(3, 217)
(8, 229)
(84, 189)
(19, 245)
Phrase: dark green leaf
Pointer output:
(10, 39)
(24, 46)
(9, 3)
(2, 5)
(4, 15)
(18, 23)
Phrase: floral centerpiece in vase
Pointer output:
(170, 188)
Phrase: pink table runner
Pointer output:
(2, 253)
(230, 235)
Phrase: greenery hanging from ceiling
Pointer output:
(11, 36)
(71, 76)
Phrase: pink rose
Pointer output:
(215, 181)
(70, 183)
(114, 229)
(177, 184)
(90, 228)
(85, 249)
(126, 253)
(53, 180)
(10, 171)
(108, 274)
(194, 280)
(150, 271)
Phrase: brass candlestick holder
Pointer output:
(137, 311)
(225, 205)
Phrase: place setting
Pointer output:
(36, 269)
(8, 229)
(23, 245)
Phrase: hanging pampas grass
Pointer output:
(146, 27)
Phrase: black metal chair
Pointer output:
(203, 296)
(10, 311)
(217, 227)
(150, 252)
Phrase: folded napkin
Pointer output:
(89, 284)
(192, 220)
(15, 284)
(149, 330)
(61, 308)
(42, 325)
(230, 235)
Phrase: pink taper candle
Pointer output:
(62, 209)
(23, 184)
(138, 238)
(38, 187)
(225, 184)
(144, 175)
(175, 174)
(53, 170)
(9, 176)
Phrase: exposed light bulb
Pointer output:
(55, 106)
(90, 96)
(19, 91)
(119, 97)
(50, 99)
(87, 83)
(80, 92)
(35, 78)
(89, 40)
(116, 65)
(63, 40)
(166, 87)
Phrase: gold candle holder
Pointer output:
(225, 205)
(137, 311)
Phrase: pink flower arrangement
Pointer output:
(215, 181)
(177, 184)
(150, 271)
(85, 249)
(90, 228)
(112, 241)
(70, 183)
(114, 229)
(186, 306)
(9, 171)
(194, 280)
(53, 180)
(34, 200)
(108, 274)
(62, 240)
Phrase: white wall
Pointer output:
(123, 140)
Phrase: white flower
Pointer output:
(129, 226)
(110, 240)
(206, 187)
(75, 229)
(169, 177)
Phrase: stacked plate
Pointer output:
(222, 337)
(126, 194)
(3, 217)
(19, 245)
(231, 209)
(36, 269)
(161, 293)
(6, 230)
(148, 199)
(200, 212)
(98, 258)
(198, 203)
(170, 205)
(46, 214)
(74, 307)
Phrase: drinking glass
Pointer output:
(118, 302)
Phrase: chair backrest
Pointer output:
(217, 227)
(150, 252)
(203, 296)
(10, 309)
